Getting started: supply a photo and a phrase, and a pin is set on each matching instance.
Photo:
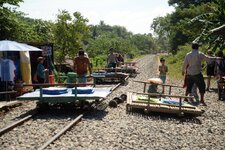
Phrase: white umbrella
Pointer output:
(6, 45)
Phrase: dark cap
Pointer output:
(195, 45)
(162, 59)
(81, 49)
(111, 49)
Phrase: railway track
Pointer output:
(59, 133)
(99, 105)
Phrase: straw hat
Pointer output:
(40, 58)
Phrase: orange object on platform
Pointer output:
(51, 79)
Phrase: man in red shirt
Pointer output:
(81, 67)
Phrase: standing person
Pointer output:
(120, 59)
(220, 73)
(7, 75)
(81, 67)
(193, 90)
(112, 60)
(41, 70)
(17, 65)
(163, 69)
(220, 67)
(193, 60)
(210, 69)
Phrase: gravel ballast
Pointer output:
(113, 128)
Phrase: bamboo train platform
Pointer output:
(152, 104)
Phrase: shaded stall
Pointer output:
(14, 57)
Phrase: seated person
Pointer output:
(120, 59)
(112, 60)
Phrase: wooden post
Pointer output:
(41, 93)
(180, 104)
(170, 90)
(75, 92)
(94, 81)
(144, 87)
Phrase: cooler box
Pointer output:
(83, 90)
(71, 77)
(54, 91)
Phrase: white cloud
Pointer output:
(137, 22)
(135, 15)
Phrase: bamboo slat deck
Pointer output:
(132, 102)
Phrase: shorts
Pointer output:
(198, 80)
(210, 71)
(163, 78)
(112, 65)
(82, 78)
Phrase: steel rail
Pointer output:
(15, 124)
(75, 121)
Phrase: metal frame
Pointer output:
(60, 99)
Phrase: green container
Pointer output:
(71, 77)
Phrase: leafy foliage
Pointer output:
(161, 27)
(9, 24)
(70, 33)
(191, 19)
(187, 3)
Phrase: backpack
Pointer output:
(221, 65)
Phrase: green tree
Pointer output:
(70, 33)
(161, 27)
(178, 25)
(187, 3)
(9, 24)
(33, 30)
(211, 20)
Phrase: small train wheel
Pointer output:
(113, 103)
(118, 100)
(146, 111)
(42, 106)
(123, 97)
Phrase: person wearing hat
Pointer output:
(163, 69)
(193, 68)
(41, 70)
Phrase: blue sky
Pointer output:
(135, 15)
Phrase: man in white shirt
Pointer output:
(192, 65)
(7, 70)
